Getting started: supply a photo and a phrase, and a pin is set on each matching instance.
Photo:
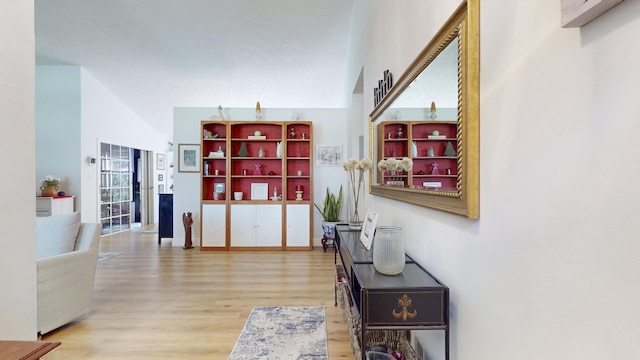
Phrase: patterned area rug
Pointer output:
(283, 332)
(107, 255)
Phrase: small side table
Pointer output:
(25, 350)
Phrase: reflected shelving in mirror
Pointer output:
(431, 117)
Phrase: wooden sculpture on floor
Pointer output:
(187, 221)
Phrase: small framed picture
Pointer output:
(368, 228)
(160, 189)
(188, 158)
(259, 191)
(160, 177)
(329, 155)
(159, 161)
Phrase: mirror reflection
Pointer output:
(421, 124)
(423, 135)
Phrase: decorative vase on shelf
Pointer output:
(388, 250)
(355, 205)
(49, 191)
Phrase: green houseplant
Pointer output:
(332, 205)
(330, 213)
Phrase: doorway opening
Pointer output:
(124, 184)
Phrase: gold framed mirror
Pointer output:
(431, 118)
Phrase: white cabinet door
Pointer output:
(214, 225)
(269, 225)
(243, 225)
(256, 225)
(298, 225)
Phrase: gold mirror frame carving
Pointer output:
(464, 24)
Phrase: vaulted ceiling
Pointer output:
(158, 54)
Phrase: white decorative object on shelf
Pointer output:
(218, 153)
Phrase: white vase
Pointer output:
(388, 250)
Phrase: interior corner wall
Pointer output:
(329, 128)
(18, 156)
(549, 270)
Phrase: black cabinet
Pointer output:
(165, 226)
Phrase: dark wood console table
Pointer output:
(25, 350)
(412, 300)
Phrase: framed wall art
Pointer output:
(259, 191)
(159, 161)
(329, 155)
(188, 158)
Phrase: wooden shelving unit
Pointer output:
(396, 139)
(268, 162)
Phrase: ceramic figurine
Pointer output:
(434, 169)
(292, 132)
(257, 170)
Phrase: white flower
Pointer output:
(350, 164)
(356, 169)
(49, 180)
(406, 164)
(393, 164)
(382, 165)
(365, 164)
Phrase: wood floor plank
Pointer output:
(163, 302)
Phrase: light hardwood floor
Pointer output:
(162, 302)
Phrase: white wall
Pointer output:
(74, 113)
(549, 270)
(329, 128)
(58, 127)
(17, 118)
(105, 118)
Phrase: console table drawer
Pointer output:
(405, 308)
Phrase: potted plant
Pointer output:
(330, 213)
(49, 186)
